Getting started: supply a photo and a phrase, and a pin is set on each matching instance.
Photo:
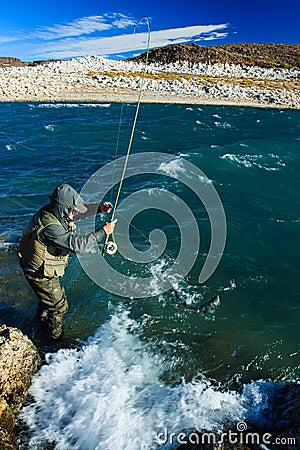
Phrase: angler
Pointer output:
(44, 250)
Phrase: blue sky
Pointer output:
(33, 29)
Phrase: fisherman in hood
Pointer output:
(45, 246)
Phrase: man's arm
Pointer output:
(57, 236)
(93, 209)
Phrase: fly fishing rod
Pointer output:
(110, 247)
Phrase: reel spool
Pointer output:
(111, 248)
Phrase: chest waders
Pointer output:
(46, 264)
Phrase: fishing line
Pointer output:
(117, 148)
(16, 142)
(135, 118)
(112, 244)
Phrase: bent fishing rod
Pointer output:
(110, 247)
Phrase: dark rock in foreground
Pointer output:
(19, 360)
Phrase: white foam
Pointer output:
(110, 395)
(265, 162)
(232, 285)
(8, 245)
(71, 105)
(172, 168)
(224, 125)
(49, 127)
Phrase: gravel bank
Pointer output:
(96, 79)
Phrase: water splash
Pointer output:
(110, 394)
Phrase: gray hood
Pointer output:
(65, 199)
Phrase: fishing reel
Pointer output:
(111, 248)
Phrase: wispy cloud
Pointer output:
(121, 21)
(104, 35)
(84, 26)
(78, 27)
(130, 43)
(211, 37)
(6, 39)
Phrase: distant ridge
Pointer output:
(7, 61)
(279, 56)
(285, 56)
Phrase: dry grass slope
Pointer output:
(203, 79)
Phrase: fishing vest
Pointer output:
(49, 260)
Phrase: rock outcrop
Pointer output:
(285, 56)
(19, 359)
(6, 61)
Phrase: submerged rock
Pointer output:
(19, 360)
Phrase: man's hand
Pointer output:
(109, 227)
(71, 226)
(106, 207)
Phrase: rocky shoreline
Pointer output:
(97, 79)
(19, 360)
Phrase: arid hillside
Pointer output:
(261, 55)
